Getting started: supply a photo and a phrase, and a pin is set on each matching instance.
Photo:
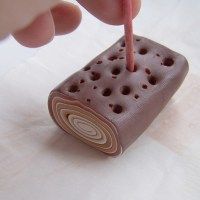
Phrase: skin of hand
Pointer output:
(34, 23)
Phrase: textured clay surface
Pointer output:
(108, 107)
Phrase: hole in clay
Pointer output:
(144, 86)
(121, 50)
(95, 87)
(135, 68)
(99, 62)
(117, 109)
(87, 68)
(137, 40)
(168, 62)
(143, 51)
(88, 100)
(136, 96)
(147, 71)
(112, 58)
(123, 44)
(116, 71)
(73, 88)
(152, 80)
(125, 90)
(114, 77)
(82, 81)
(107, 92)
(95, 76)
(110, 105)
(121, 58)
(158, 55)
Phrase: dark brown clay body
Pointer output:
(127, 102)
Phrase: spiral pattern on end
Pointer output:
(86, 125)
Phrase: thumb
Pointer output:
(109, 11)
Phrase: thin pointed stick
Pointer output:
(128, 28)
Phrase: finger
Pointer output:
(67, 18)
(18, 14)
(109, 11)
(38, 33)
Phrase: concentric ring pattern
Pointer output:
(85, 125)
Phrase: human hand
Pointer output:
(23, 18)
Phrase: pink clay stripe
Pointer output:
(128, 28)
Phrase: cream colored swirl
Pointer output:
(83, 123)
(87, 129)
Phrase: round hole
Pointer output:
(158, 55)
(125, 90)
(87, 68)
(107, 92)
(73, 88)
(117, 109)
(95, 76)
(136, 96)
(144, 86)
(116, 71)
(143, 51)
(137, 39)
(152, 80)
(123, 44)
(121, 50)
(112, 58)
(147, 71)
(121, 58)
(135, 68)
(95, 87)
(168, 62)
(88, 100)
(99, 62)
(82, 81)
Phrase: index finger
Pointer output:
(109, 11)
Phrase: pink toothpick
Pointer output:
(128, 28)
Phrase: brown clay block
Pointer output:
(108, 107)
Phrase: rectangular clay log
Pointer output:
(109, 107)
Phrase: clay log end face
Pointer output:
(106, 102)
(85, 124)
